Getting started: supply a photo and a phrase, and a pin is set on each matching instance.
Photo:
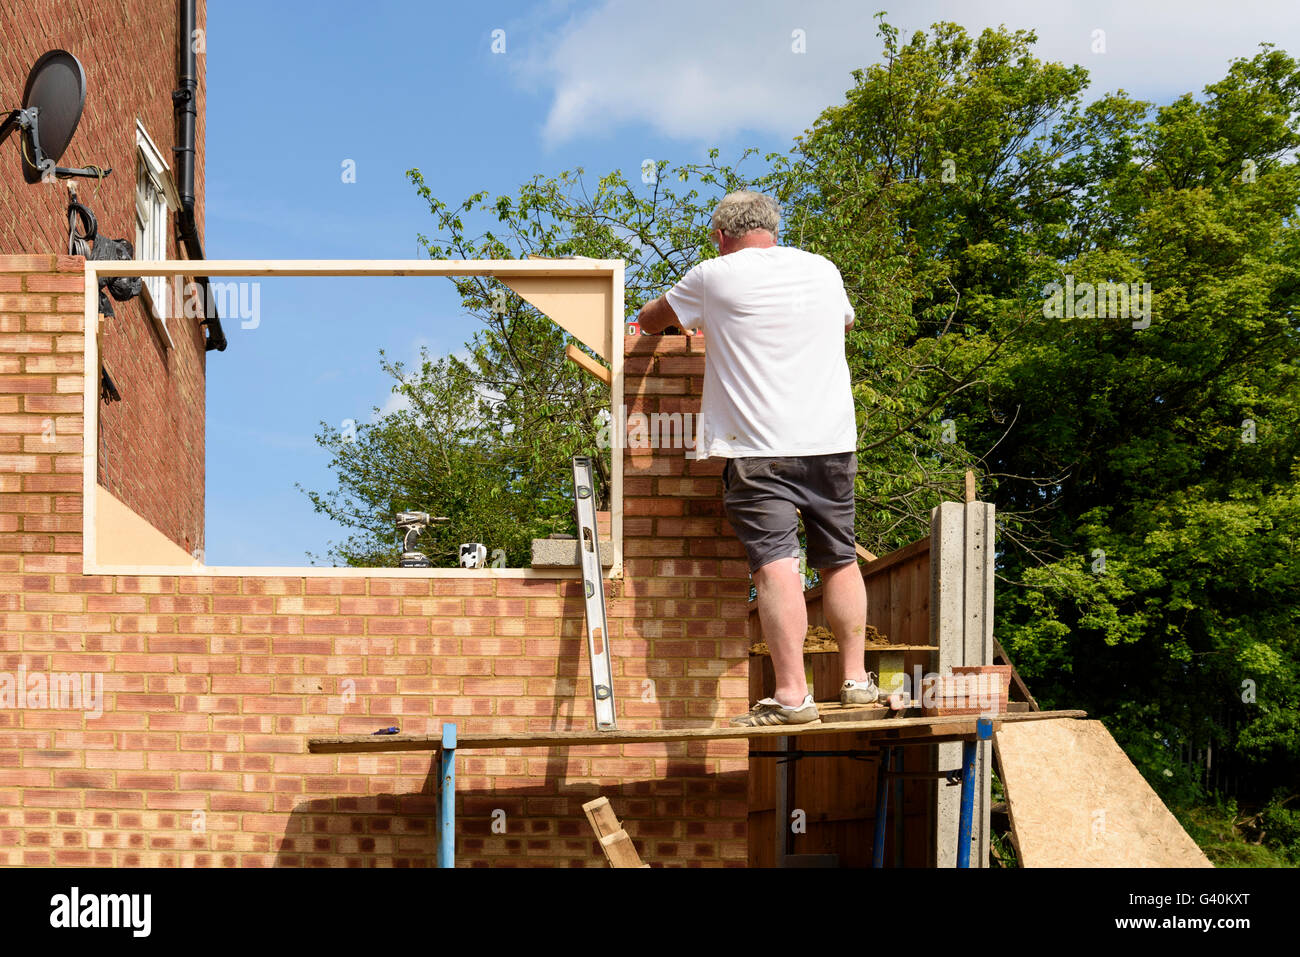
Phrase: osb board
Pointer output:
(1076, 800)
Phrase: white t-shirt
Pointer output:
(775, 378)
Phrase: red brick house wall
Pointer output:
(151, 443)
(213, 684)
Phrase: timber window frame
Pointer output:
(582, 296)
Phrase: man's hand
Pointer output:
(656, 316)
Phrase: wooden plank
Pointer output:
(783, 789)
(832, 711)
(907, 594)
(587, 364)
(619, 850)
(921, 572)
(898, 599)
(878, 566)
(896, 557)
(616, 404)
(816, 609)
(970, 486)
(836, 786)
(759, 824)
(602, 817)
(370, 743)
(503, 268)
(1076, 800)
(757, 664)
(919, 569)
(613, 839)
(863, 554)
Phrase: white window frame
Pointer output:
(155, 199)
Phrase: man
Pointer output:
(778, 406)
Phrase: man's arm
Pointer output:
(656, 316)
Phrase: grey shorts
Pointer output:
(761, 494)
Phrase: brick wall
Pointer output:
(213, 684)
(151, 443)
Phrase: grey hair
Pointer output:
(743, 212)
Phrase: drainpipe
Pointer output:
(185, 101)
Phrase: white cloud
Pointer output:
(398, 401)
(700, 71)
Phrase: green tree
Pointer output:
(1145, 478)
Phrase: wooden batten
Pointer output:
(587, 364)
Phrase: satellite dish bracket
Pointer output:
(27, 120)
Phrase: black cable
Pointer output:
(81, 244)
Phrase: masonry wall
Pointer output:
(214, 684)
(151, 443)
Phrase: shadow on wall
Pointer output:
(674, 821)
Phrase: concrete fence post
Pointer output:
(961, 625)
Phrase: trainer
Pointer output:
(778, 406)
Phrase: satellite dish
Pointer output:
(56, 88)
(52, 102)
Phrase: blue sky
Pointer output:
(297, 89)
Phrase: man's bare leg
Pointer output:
(784, 617)
(844, 597)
